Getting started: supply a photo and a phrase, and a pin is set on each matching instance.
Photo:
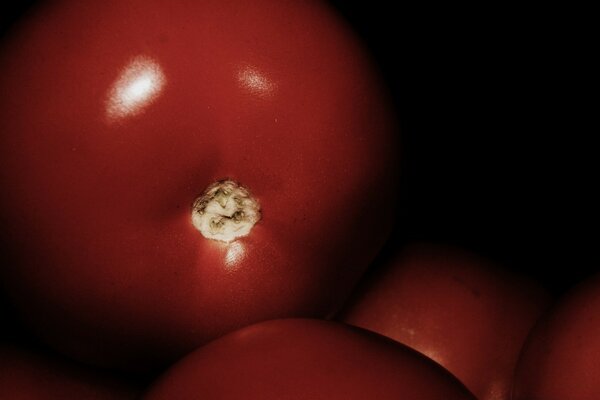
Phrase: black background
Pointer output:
(493, 159)
(487, 159)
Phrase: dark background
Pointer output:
(494, 160)
(488, 155)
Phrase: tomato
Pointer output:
(560, 357)
(305, 359)
(465, 313)
(30, 375)
(176, 170)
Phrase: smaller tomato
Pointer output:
(456, 308)
(561, 357)
(27, 375)
(298, 359)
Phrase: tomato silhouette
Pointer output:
(462, 311)
(560, 357)
(306, 359)
(174, 170)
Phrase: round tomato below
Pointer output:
(560, 359)
(459, 309)
(175, 170)
(298, 359)
(27, 374)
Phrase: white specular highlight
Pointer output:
(256, 82)
(137, 86)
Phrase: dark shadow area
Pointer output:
(485, 158)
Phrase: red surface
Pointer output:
(561, 359)
(458, 309)
(306, 359)
(104, 263)
(26, 375)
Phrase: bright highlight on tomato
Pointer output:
(140, 82)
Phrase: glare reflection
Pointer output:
(254, 81)
(139, 83)
(235, 253)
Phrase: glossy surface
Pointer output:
(561, 359)
(117, 115)
(27, 375)
(306, 359)
(458, 309)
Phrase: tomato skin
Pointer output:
(300, 359)
(458, 309)
(29, 375)
(104, 262)
(560, 357)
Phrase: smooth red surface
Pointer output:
(278, 95)
(27, 375)
(299, 359)
(458, 309)
(561, 358)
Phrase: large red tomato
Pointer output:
(306, 359)
(27, 375)
(561, 358)
(172, 170)
(454, 307)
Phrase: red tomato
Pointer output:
(306, 359)
(116, 120)
(26, 375)
(454, 307)
(561, 358)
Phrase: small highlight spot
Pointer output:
(137, 86)
(255, 82)
(235, 253)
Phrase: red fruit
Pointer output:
(306, 359)
(561, 358)
(116, 120)
(26, 375)
(458, 309)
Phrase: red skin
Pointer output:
(26, 375)
(561, 358)
(454, 307)
(105, 263)
(299, 359)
